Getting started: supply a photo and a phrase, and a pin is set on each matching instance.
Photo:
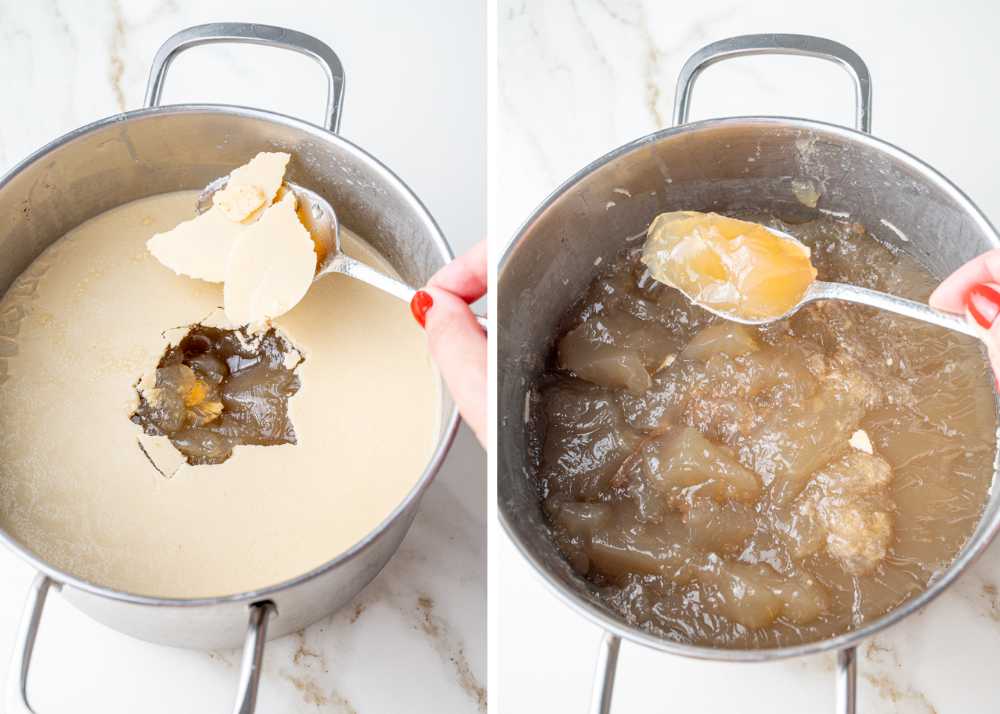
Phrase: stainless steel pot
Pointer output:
(721, 165)
(159, 149)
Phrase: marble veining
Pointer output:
(578, 78)
(415, 639)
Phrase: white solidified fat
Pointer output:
(860, 441)
(270, 267)
(261, 177)
(198, 248)
(254, 244)
(96, 312)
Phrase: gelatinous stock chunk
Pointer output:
(586, 441)
(683, 464)
(616, 351)
(729, 265)
(845, 507)
(217, 389)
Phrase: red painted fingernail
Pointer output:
(984, 305)
(419, 306)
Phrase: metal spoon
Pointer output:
(322, 223)
(822, 290)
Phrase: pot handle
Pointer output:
(781, 44)
(17, 683)
(253, 34)
(607, 665)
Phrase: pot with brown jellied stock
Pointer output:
(734, 164)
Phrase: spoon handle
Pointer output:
(356, 269)
(884, 301)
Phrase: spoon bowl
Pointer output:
(823, 290)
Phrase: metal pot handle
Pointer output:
(248, 33)
(17, 683)
(607, 666)
(804, 45)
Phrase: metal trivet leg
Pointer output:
(607, 665)
(17, 684)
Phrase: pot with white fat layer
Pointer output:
(156, 150)
(721, 165)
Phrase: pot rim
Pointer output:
(970, 551)
(445, 438)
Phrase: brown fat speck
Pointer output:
(358, 610)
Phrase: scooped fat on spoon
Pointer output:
(200, 248)
(252, 239)
(270, 267)
(252, 187)
(730, 266)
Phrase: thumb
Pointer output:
(458, 345)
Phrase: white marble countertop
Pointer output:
(580, 78)
(415, 639)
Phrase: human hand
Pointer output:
(457, 342)
(974, 290)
